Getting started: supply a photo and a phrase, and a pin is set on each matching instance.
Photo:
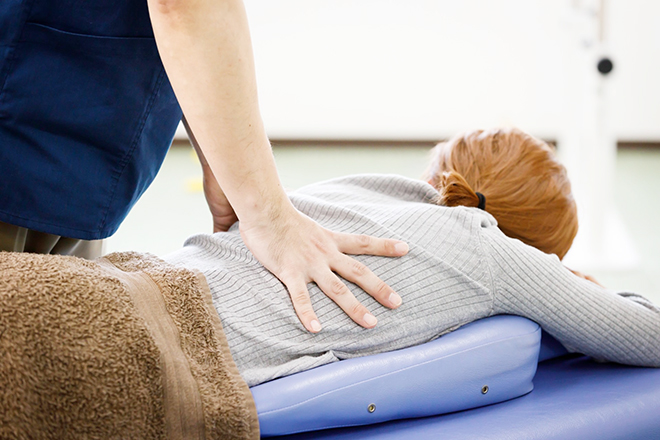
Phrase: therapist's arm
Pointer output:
(222, 212)
(206, 50)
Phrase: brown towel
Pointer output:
(125, 347)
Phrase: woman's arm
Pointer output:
(582, 315)
(206, 50)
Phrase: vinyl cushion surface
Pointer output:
(573, 398)
(484, 362)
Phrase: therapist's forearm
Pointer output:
(206, 49)
(207, 53)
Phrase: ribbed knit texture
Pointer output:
(583, 316)
(460, 268)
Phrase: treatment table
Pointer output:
(497, 378)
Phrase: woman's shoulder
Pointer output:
(391, 186)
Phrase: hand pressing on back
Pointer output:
(299, 251)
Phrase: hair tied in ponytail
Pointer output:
(482, 201)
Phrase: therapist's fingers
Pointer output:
(356, 272)
(360, 244)
(303, 305)
(298, 251)
(337, 291)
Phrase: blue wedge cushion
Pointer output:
(574, 398)
(484, 362)
(550, 348)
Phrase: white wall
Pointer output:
(425, 69)
(635, 43)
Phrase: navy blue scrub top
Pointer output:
(86, 113)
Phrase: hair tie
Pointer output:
(482, 201)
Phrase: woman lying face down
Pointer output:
(130, 346)
(464, 263)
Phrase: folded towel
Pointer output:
(124, 347)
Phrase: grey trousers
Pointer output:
(18, 239)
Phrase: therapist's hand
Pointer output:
(206, 49)
(299, 251)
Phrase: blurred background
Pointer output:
(352, 86)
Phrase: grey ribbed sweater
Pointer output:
(460, 268)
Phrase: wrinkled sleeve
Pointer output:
(584, 317)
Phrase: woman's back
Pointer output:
(444, 280)
(460, 268)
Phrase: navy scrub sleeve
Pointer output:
(87, 113)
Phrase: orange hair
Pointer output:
(526, 188)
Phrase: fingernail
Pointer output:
(395, 299)
(370, 319)
(315, 325)
(401, 248)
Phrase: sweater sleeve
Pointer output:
(583, 316)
